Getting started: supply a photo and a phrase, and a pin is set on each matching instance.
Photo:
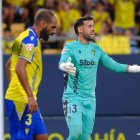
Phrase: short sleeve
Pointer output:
(28, 47)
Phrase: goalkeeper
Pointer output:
(79, 60)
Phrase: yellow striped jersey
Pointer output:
(26, 46)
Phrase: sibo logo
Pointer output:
(87, 63)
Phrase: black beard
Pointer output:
(44, 35)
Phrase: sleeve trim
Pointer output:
(24, 58)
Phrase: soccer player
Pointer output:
(24, 71)
(79, 61)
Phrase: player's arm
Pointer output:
(8, 73)
(22, 76)
(25, 56)
(111, 64)
(65, 63)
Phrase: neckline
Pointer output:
(83, 43)
(32, 29)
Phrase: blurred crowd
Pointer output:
(111, 18)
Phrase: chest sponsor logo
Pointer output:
(85, 62)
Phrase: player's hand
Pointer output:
(68, 67)
(33, 106)
(133, 69)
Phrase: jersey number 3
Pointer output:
(29, 119)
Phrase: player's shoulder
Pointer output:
(70, 44)
(95, 45)
(29, 37)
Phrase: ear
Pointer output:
(80, 29)
(43, 23)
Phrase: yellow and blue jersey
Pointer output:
(26, 46)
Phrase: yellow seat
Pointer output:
(115, 44)
(17, 28)
(52, 51)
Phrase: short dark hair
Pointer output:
(44, 14)
(81, 20)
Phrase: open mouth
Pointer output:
(51, 34)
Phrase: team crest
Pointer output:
(29, 47)
(26, 130)
(93, 52)
(68, 119)
(20, 115)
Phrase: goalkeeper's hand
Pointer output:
(68, 67)
(133, 68)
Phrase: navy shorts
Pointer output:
(23, 125)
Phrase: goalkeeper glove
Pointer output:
(133, 69)
(68, 67)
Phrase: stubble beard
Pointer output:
(88, 37)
